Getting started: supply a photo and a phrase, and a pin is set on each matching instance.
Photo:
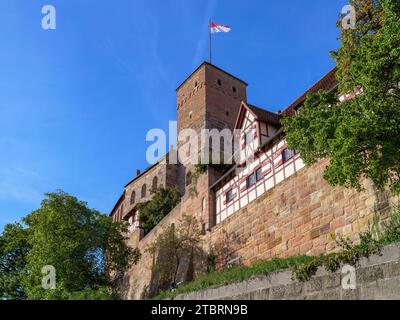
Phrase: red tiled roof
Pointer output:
(260, 114)
(265, 115)
(328, 82)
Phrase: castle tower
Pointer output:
(209, 99)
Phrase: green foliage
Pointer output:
(221, 166)
(360, 136)
(173, 246)
(211, 261)
(391, 229)
(371, 242)
(101, 293)
(152, 212)
(14, 248)
(83, 245)
(234, 274)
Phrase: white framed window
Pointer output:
(229, 196)
(288, 154)
(251, 180)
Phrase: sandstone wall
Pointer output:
(299, 216)
(377, 277)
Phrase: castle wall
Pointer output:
(298, 216)
(377, 278)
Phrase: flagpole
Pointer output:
(209, 29)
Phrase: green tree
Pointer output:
(153, 211)
(14, 248)
(174, 245)
(87, 249)
(360, 136)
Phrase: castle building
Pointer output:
(211, 98)
(269, 206)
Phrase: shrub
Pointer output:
(371, 242)
(152, 212)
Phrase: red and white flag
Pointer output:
(215, 28)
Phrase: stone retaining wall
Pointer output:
(376, 278)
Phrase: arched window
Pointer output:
(154, 185)
(133, 197)
(144, 190)
(188, 178)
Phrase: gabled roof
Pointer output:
(260, 115)
(327, 82)
(265, 115)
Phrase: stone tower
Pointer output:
(209, 99)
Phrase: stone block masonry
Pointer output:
(300, 216)
(377, 277)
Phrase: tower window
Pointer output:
(133, 197)
(154, 184)
(227, 113)
(195, 84)
(234, 89)
(144, 191)
(219, 82)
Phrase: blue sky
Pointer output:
(76, 102)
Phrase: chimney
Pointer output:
(137, 172)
